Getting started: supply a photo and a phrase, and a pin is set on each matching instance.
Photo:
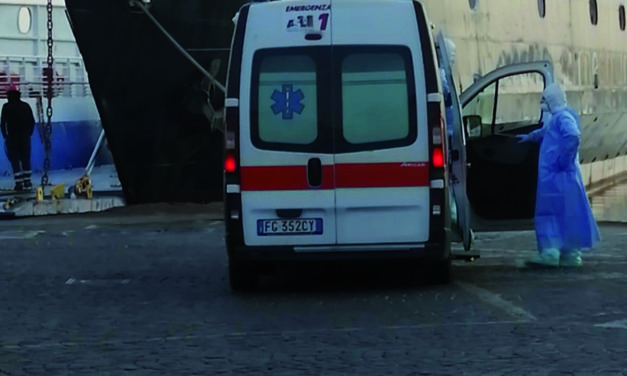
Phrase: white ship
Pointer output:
(23, 60)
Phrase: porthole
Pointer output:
(24, 20)
(594, 12)
(621, 17)
(542, 8)
(473, 4)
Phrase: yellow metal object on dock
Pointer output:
(10, 203)
(58, 192)
(73, 196)
(39, 194)
(83, 187)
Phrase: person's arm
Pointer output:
(3, 122)
(538, 134)
(570, 140)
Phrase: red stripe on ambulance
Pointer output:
(282, 178)
(350, 175)
(382, 175)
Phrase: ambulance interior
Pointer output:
(502, 173)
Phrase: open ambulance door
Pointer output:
(456, 146)
(502, 173)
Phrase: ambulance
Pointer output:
(335, 139)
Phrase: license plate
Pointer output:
(289, 226)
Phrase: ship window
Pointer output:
(594, 12)
(24, 20)
(473, 4)
(621, 17)
(542, 8)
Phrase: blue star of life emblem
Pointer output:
(288, 101)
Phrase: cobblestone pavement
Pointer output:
(151, 297)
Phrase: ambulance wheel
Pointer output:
(243, 276)
(441, 272)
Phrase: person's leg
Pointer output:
(25, 151)
(548, 237)
(14, 158)
(548, 254)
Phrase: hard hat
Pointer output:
(13, 87)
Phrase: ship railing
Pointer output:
(60, 88)
(30, 73)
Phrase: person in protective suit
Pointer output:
(448, 101)
(18, 123)
(564, 221)
(450, 118)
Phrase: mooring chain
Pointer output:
(48, 128)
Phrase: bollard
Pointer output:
(39, 194)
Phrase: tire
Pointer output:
(441, 273)
(243, 276)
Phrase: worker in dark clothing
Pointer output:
(18, 123)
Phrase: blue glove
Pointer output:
(522, 138)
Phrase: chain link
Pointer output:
(49, 77)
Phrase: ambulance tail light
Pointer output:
(231, 149)
(438, 196)
(230, 164)
(437, 144)
(232, 171)
(231, 128)
(437, 157)
(230, 139)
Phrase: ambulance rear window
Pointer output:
(286, 105)
(336, 100)
(375, 104)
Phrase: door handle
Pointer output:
(314, 172)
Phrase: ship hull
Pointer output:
(150, 97)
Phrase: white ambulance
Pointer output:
(335, 144)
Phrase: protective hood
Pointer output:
(452, 50)
(555, 97)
